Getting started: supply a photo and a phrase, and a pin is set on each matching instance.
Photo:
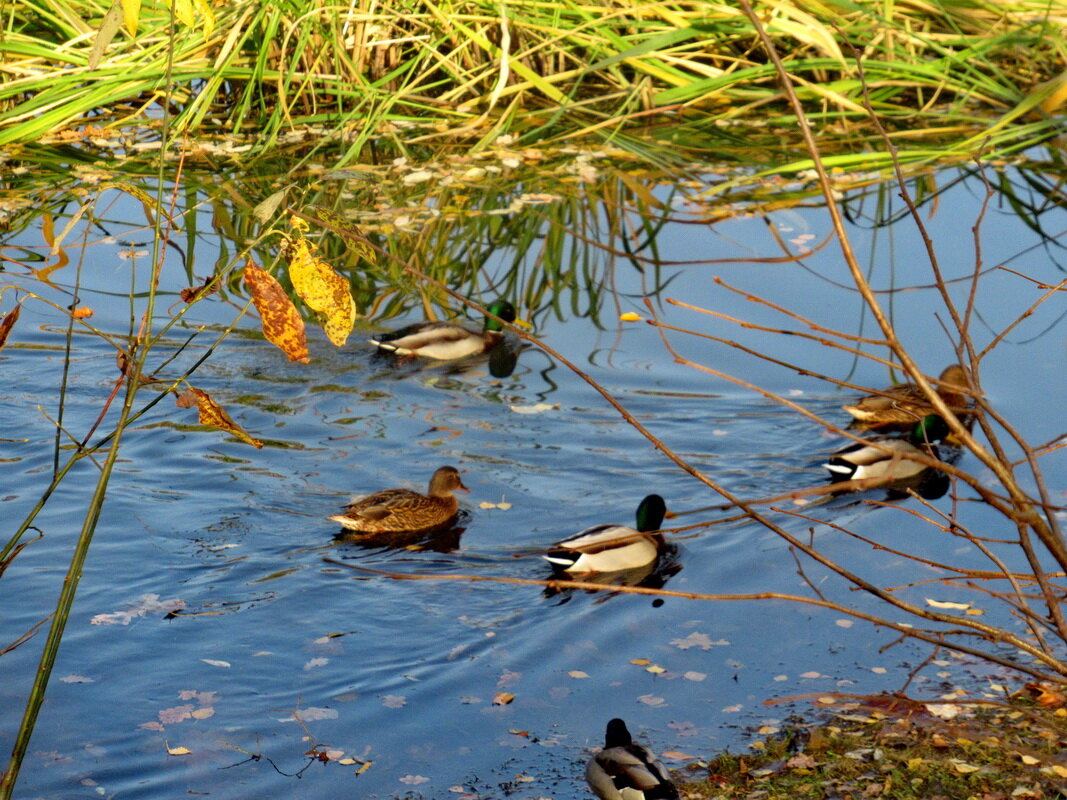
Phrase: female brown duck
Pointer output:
(902, 407)
(406, 511)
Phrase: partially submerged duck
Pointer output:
(446, 341)
(611, 548)
(901, 407)
(627, 771)
(888, 458)
(404, 510)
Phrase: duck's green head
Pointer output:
(930, 428)
(503, 309)
(650, 513)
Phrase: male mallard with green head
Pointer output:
(448, 340)
(887, 458)
(901, 407)
(611, 548)
(627, 771)
(404, 510)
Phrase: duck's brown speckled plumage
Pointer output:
(404, 510)
(901, 407)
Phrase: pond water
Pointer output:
(215, 608)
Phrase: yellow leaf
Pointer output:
(324, 291)
(278, 316)
(630, 316)
(502, 698)
(131, 13)
(211, 413)
(655, 669)
(962, 767)
(1029, 760)
(183, 10)
(1058, 770)
(178, 751)
(946, 604)
(640, 661)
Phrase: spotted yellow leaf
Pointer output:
(325, 291)
(278, 316)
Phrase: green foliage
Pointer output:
(979, 74)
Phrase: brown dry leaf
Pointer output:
(7, 323)
(211, 413)
(1045, 695)
(278, 316)
(641, 662)
(801, 761)
(191, 293)
(502, 698)
(324, 291)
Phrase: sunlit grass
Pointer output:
(984, 74)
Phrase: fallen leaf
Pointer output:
(700, 640)
(394, 701)
(84, 312)
(320, 661)
(694, 676)
(630, 316)
(538, 408)
(943, 710)
(577, 673)
(641, 662)
(310, 714)
(502, 698)
(414, 780)
(651, 700)
(962, 767)
(1029, 760)
(212, 662)
(674, 755)
(801, 761)
(178, 751)
(946, 604)
(655, 669)
(204, 713)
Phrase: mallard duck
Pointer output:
(610, 548)
(447, 340)
(402, 510)
(627, 771)
(901, 407)
(889, 458)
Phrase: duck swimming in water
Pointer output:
(404, 510)
(446, 341)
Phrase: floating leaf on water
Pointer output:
(319, 661)
(279, 319)
(694, 676)
(651, 700)
(641, 662)
(577, 673)
(394, 701)
(214, 415)
(844, 623)
(84, 312)
(700, 640)
(215, 663)
(413, 780)
(73, 678)
(946, 604)
(630, 316)
(178, 751)
(538, 408)
(310, 714)
(503, 698)
(655, 669)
